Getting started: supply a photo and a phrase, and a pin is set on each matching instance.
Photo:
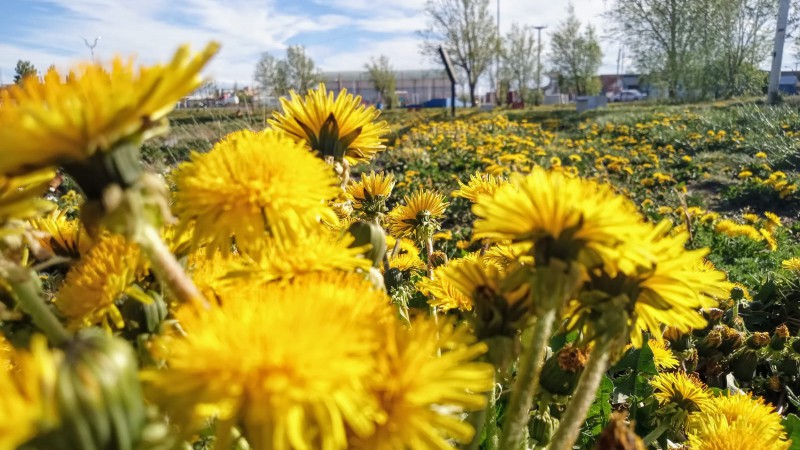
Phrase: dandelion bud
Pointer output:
(758, 340)
(710, 343)
(367, 233)
(542, 426)
(779, 337)
(731, 340)
(98, 395)
(744, 362)
(561, 372)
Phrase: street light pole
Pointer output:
(539, 60)
(773, 93)
(92, 45)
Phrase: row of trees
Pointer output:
(689, 48)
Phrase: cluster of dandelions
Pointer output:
(280, 332)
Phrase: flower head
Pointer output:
(270, 359)
(61, 235)
(419, 216)
(338, 128)
(567, 218)
(422, 394)
(662, 356)
(370, 193)
(20, 198)
(479, 184)
(792, 264)
(44, 123)
(740, 409)
(299, 252)
(249, 185)
(683, 391)
(92, 287)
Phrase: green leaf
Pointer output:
(792, 425)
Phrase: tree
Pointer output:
(663, 36)
(382, 75)
(466, 31)
(280, 76)
(519, 58)
(22, 70)
(576, 55)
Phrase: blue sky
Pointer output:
(338, 34)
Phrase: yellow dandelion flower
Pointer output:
(443, 236)
(299, 252)
(250, 184)
(93, 286)
(26, 382)
(662, 356)
(406, 257)
(769, 239)
(677, 388)
(208, 270)
(61, 235)
(371, 188)
(51, 121)
(505, 255)
(792, 264)
(419, 215)
(340, 127)
(442, 293)
(271, 360)
(719, 434)
(423, 394)
(773, 220)
(761, 155)
(479, 184)
(745, 174)
(578, 219)
(20, 197)
(750, 217)
(738, 410)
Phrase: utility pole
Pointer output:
(539, 61)
(773, 93)
(497, 99)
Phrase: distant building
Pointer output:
(788, 83)
(413, 86)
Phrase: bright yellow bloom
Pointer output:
(740, 410)
(733, 229)
(761, 155)
(423, 394)
(26, 383)
(92, 287)
(407, 255)
(290, 363)
(62, 236)
(479, 184)
(719, 434)
(419, 215)
(578, 219)
(662, 356)
(299, 252)
(340, 127)
(44, 123)
(20, 198)
(686, 392)
(792, 264)
(769, 238)
(372, 187)
(505, 255)
(249, 185)
(745, 174)
(208, 271)
(750, 217)
(442, 293)
(773, 220)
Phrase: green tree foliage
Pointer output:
(22, 70)
(466, 30)
(382, 75)
(519, 58)
(297, 72)
(697, 48)
(575, 55)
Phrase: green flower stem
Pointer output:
(527, 383)
(485, 418)
(655, 434)
(168, 269)
(27, 291)
(584, 395)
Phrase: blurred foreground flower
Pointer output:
(250, 184)
(95, 109)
